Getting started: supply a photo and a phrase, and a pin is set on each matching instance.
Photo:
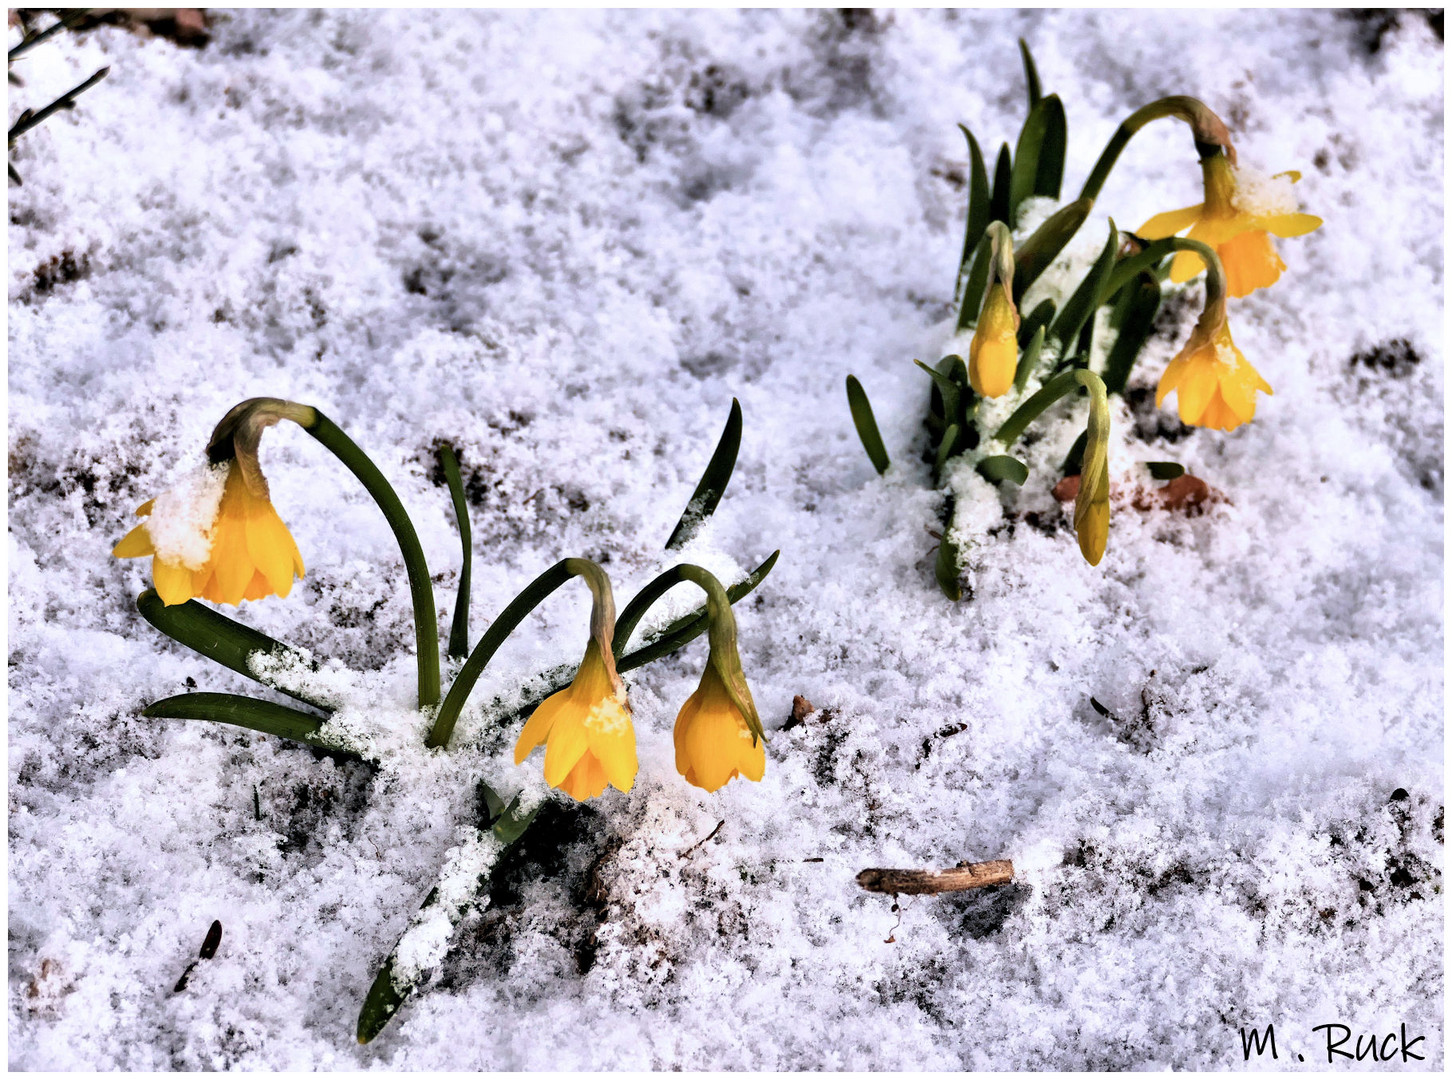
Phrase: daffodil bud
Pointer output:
(993, 352)
(1091, 507)
(586, 728)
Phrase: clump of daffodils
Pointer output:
(1022, 342)
(216, 537)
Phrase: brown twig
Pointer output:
(955, 879)
(703, 839)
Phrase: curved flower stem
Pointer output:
(602, 626)
(425, 618)
(1126, 269)
(721, 622)
(1210, 135)
(1057, 387)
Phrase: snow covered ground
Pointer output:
(565, 241)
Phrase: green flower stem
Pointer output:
(1057, 387)
(508, 621)
(1125, 271)
(459, 630)
(1208, 128)
(425, 617)
(721, 623)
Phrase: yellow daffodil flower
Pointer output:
(1236, 223)
(993, 353)
(586, 728)
(1215, 382)
(251, 553)
(714, 740)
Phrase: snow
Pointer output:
(1261, 195)
(564, 241)
(180, 522)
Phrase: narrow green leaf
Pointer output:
(382, 1002)
(459, 630)
(1001, 467)
(1038, 160)
(1030, 74)
(246, 712)
(385, 996)
(713, 482)
(1165, 470)
(979, 200)
(529, 598)
(946, 448)
(1002, 180)
(1088, 296)
(948, 391)
(1029, 358)
(976, 287)
(1034, 255)
(866, 425)
(1049, 179)
(1138, 323)
(221, 639)
(1034, 407)
(1039, 318)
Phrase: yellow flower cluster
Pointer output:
(589, 739)
(1215, 382)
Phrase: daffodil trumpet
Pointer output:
(1209, 131)
(586, 729)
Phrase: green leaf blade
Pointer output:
(713, 483)
(866, 424)
(1001, 467)
(1035, 254)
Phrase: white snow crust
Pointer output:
(180, 522)
(564, 241)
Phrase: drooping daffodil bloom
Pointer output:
(1215, 382)
(714, 740)
(225, 545)
(1236, 219)
(586, 730)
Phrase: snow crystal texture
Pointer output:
(563, 242)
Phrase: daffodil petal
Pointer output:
(614, 748)
(145, 508)
(1195, 389)
(270, 548)
(1170, 222)
(134, 544)
(1288, 225)
(172, 580)
(567, 744)
(537, 728)
(1186, 265)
